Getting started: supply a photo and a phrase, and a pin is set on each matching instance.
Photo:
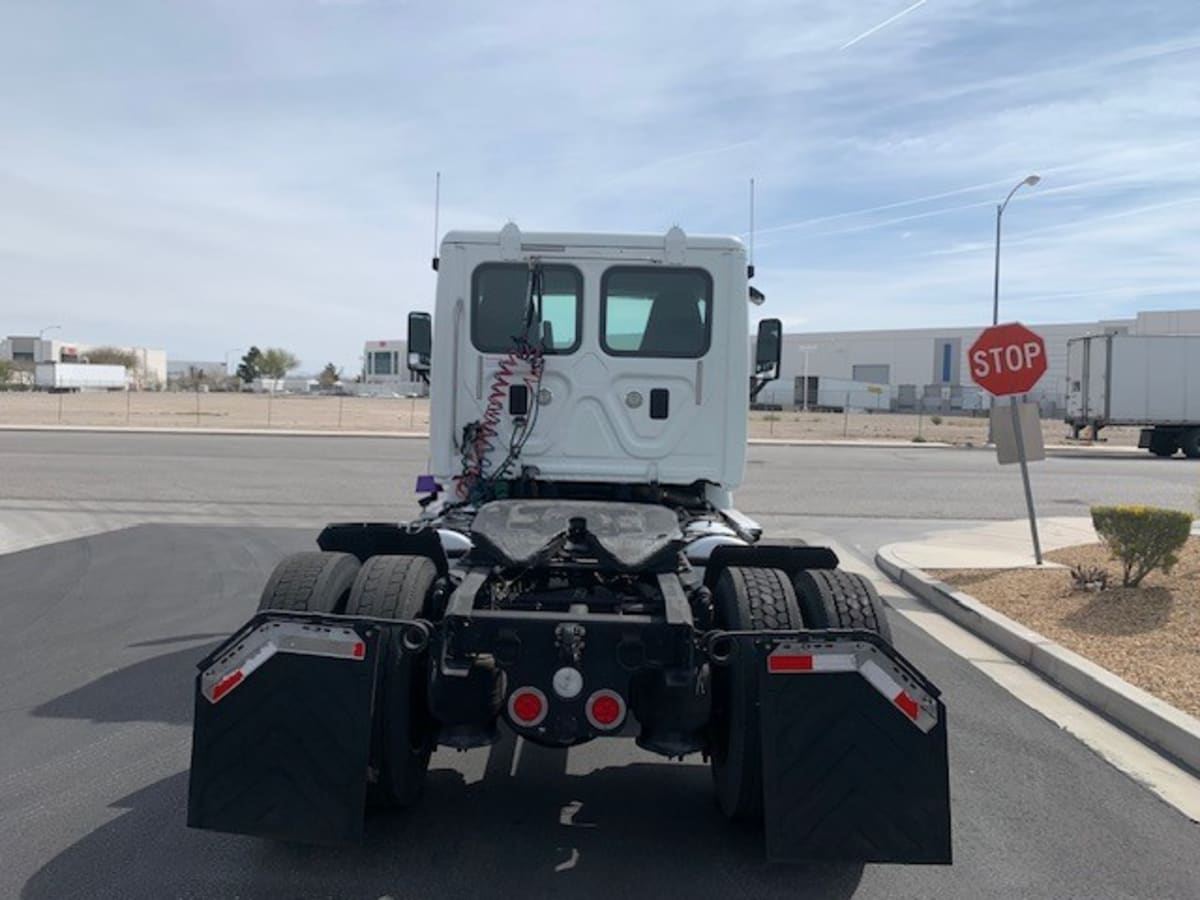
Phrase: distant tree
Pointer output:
(250, 367)
(112, 356)
(329, 376)
(276, 362)
(6, 370)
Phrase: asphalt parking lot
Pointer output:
(102, 633)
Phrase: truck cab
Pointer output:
(590, 358)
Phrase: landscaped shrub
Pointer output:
(1142, 538)
(1089, 578)
(936, 420)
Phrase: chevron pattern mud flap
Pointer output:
(855, 765)
(282, 731)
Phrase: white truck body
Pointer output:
(80, 377)
(1148, 380)
(597, 421)
(1125, 379)
(839, 393)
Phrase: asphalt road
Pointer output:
(299, 480)
(101, 635)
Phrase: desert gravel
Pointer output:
(1149, 635)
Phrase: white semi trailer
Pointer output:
(71, 377)
(1152, 381)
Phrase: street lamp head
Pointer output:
(1032, 180)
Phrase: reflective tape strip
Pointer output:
(879, 679)
(272, 637)
(901, 698)
(879, 671)
(226, 684)
(265, 652)
(791, 663)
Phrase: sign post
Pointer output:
(1016, 420)
(1008, 360)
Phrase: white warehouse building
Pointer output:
(927, 367)
(385, 370)
(150, 371)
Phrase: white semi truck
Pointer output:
(1150, 381)
(578, 571)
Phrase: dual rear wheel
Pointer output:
(384, 587)
(754, 599)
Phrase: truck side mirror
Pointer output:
(768, 348)
(419, 341)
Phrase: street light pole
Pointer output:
(41, 335)
(1030, 180)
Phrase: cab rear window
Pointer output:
(500, 303)
(656, 312)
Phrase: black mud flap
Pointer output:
(854, 753)
(282, 730)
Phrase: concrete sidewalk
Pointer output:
(1007, 545)
(996, 545)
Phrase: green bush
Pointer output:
(1142, 538)
(936, 420)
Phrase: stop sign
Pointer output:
(1007, 359)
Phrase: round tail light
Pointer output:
(527, 706)
(605, 710)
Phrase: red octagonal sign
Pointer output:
(1007, 359)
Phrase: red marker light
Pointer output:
(605, 710)
(527, 706)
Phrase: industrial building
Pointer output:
(927, 368)
(149, 374)
(385, 370)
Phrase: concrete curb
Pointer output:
(846, 442)
(1169, 730)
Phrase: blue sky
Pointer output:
(205, 175)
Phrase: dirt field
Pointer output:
(1148, 635)
(218, 410)
(183, 410)
(961, 431)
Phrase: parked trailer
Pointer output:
(827, 394)
(1152, 381)
(67, 377)
(579, 572)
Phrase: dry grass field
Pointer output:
(402, 414)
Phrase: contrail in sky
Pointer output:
(883, 24)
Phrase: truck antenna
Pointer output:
(750, 267)
(437, 203)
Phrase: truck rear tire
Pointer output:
(313, 581)
(1191, 443)
(831, 598)
(398, 587)
(1164, 442)
(745, 599)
